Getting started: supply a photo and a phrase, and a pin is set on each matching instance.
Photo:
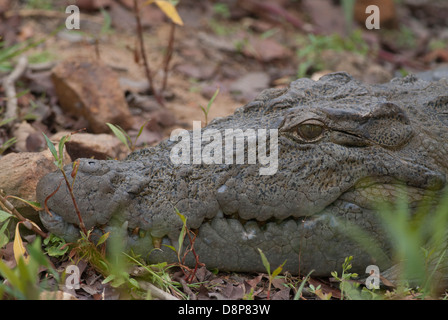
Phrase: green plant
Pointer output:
(5, 218)
(221, 9)
(249, 295)
(209, 105)
(181, 253)
(23, 281)
(124, 137)
(419, 238)
(9, 212)
(106, 28)
(312, 47)
(55, 246)
(302, 285)
(59, 162)
(7, 144)
(158, 275)
(348, 7)
(41, 57)
(345, 277)
(8, 53)
(318, 292)
(40, 4)
(275, 273)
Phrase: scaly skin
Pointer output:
(342, 146)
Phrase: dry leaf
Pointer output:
(169, 10)
(18, 247)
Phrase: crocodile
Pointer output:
(342, 147)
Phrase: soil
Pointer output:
(238, 46)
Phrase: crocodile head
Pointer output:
(330, 150)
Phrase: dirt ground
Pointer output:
(238, 46)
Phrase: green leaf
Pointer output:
(134, 283)
(4, 239)
(212, 100)
(265, 261)
(103, 238)
(120, 134)
(141, 129)
(171, 247)
(50, 146)
(181, 216)
(33, 204)
(6, 121)
(109, 278)
(55, 246)
(299, 291)
(278, 270)
(61, 146)
(56, 251)
(183, 232)
(7, 144)
(9, 274)
(4, 215)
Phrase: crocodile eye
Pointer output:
(310, 131)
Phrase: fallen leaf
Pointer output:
(325, 287)
(283, 294)
(279, 283)
(18, 247)
(169, 9)
(254, 282)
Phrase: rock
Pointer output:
(28, 138)
(435, 74)
(90, 89)
(97, 146)
(20, 173)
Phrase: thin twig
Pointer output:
(191, 273)
(143, 54)
(10, 208)
(156, 292)
(168, 55)
(70, 190)
(10, 90)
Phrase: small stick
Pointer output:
(143, 54)
(168, 55)
(10, 90)
(10, 208)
